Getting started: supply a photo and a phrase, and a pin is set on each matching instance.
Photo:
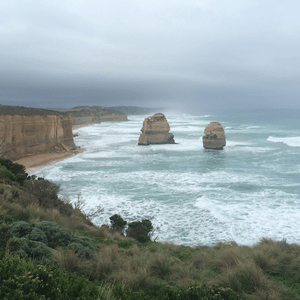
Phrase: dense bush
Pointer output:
(140, 230)
(117, 223)
(5, 235)
(46, 193)
(5, 174)
(198, 292)
(36, 239)
(12, 171)
(22, 279)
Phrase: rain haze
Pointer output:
(212, 54)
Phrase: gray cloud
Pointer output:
(235, 53)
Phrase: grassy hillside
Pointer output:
(49, 249)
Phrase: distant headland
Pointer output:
(34, 136)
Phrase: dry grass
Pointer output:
(106, 261)
(229, 257)
(245, 277)
(34, 212)
(67, 259)
(160, 265)
(105, 292)
(132, 278)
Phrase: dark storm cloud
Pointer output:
(220, 54)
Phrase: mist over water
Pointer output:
(194, 196)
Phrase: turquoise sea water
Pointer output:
(193, 196)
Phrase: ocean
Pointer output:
(193, 196)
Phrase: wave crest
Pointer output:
(290, 141)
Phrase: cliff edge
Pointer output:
(26, 131)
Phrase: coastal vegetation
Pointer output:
(49, 249)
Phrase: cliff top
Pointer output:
(134, 110)
(25, 111)
(100, 110)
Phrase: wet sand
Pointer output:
(44, 159)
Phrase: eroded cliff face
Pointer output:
(33, 132)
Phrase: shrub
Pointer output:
(39, 237)
(22, 279)
(84, 247)
(197, 292)
(37, 251)
(46, 193)
(117, 223)
(5, 174)
(13, 171)
(56, 235)
(140, 230)
(26, 199)
(20, 229)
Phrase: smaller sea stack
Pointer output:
(214, 136)
(156, 131)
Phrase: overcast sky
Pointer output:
(188, 53)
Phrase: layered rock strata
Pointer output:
(156, 131)
(214, 136)
(27, 131)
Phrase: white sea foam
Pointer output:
(247, 191)
(290, 141)
(252, 127)
(230, 143)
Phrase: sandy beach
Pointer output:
(44, 159)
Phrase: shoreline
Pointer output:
(45, 159)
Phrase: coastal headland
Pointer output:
(35, 137)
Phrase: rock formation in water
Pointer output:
(156, 131)
(214, 136)
(26, 131)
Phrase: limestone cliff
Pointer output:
(83, 115)
(26, 131)
(214, 136)
(156, 131)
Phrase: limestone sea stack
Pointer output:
(214, 136)
(156, 131)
